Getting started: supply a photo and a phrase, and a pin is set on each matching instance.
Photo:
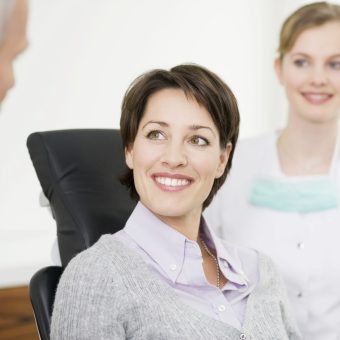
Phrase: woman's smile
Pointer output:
(317, 98)
(172, 182)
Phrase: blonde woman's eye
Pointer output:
(335, 65)
(155, 135)
(300, 62)
(197, 140)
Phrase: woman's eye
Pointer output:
(300, 62)
(335, 65)
(155, 134)
(197, 140)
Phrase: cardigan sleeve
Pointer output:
(288, 316)
(287, 313)
(86, 304)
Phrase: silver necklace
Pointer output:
(215, 260)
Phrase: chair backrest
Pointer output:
(79, 173)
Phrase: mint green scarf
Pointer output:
(306, 195)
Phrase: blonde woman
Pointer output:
(282, 197)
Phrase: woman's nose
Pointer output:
(174, 155)
(318, 76)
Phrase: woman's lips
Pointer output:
(317, 98)
(172, 182)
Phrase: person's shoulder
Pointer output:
(270, 276)
(266, 263)
(90, 292)
(98, 249)
(101, 259)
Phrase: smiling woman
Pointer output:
(283, 195)
(166, 275)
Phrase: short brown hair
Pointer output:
(308, 16)
(197, 82)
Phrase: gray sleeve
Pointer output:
(287, 313)
(86, 305)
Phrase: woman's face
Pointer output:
(176, 156)
(310, 73)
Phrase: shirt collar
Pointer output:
(167, 247)
(162, 243)
(227, 255)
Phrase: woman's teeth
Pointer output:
(172, 182)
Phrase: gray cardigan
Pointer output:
(108, 292)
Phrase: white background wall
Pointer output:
(82, 56)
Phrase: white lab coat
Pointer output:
(305, 246)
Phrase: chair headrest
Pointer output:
(79, 173)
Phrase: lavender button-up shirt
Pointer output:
(178, 261)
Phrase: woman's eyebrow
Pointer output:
(334, 56)
(198, 127)
(300, 54)
(305, 55)
(193, 127)
(155, 122)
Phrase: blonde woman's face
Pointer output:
(310, 74)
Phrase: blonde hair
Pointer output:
(308, 16)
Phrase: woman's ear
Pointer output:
(224, 157)
(278, 69)
(129, 156)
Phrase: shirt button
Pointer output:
(300, 245)
(221, 308)
(243, 336)
(173, 267)
(299, 295)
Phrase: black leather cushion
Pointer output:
(79, 172)
(42, 288)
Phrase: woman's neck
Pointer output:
(307, 148)
(187, 225)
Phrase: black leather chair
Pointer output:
(79, 173)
